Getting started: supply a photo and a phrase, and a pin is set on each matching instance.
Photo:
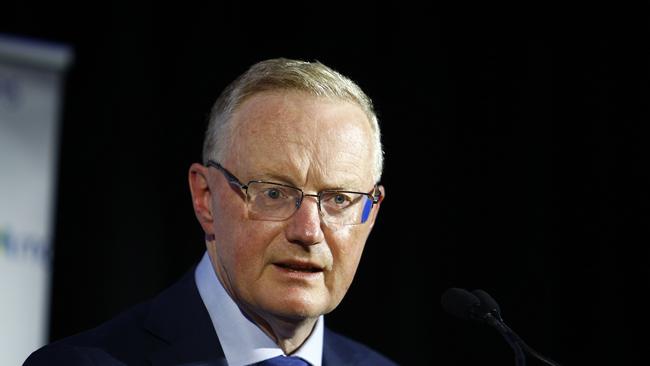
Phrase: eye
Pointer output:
(340, 199)
(337, 200)
(273, 193)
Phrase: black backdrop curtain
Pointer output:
(516, 162)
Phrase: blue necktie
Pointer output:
(284, 361)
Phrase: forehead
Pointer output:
(302, 139)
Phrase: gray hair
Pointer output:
(284, 74)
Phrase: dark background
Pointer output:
(516, 162)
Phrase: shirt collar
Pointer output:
(243, 342)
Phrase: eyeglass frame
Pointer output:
(374, 195)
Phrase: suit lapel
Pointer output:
(332, 355)
(179, 317)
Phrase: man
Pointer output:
(287, 196)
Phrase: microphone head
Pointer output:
(460, 303)
(487, 303)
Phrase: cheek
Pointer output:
(244, 247)
(228, 219)
(236, 249)
(229, 225)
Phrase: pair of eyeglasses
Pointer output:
(270, 201)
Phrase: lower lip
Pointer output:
(298, 274)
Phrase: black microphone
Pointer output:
(488, 304)
(468, 306)
(480, 306)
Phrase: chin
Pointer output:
(300, 308)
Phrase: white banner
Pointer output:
(31, 75)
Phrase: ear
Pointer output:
(201, 197)
(375, 210)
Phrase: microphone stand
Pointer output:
(529, 349)
(509, 336)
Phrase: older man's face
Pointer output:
(307, 142)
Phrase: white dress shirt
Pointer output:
(242, 341)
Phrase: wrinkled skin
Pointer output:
(308, 142)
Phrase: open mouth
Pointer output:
(299, 267)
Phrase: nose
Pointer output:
(304, 227)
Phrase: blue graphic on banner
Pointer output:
(23, 247)
(9, 92)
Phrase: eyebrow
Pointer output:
(284, 179)
(279, 178)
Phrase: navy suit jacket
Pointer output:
(173, 329)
